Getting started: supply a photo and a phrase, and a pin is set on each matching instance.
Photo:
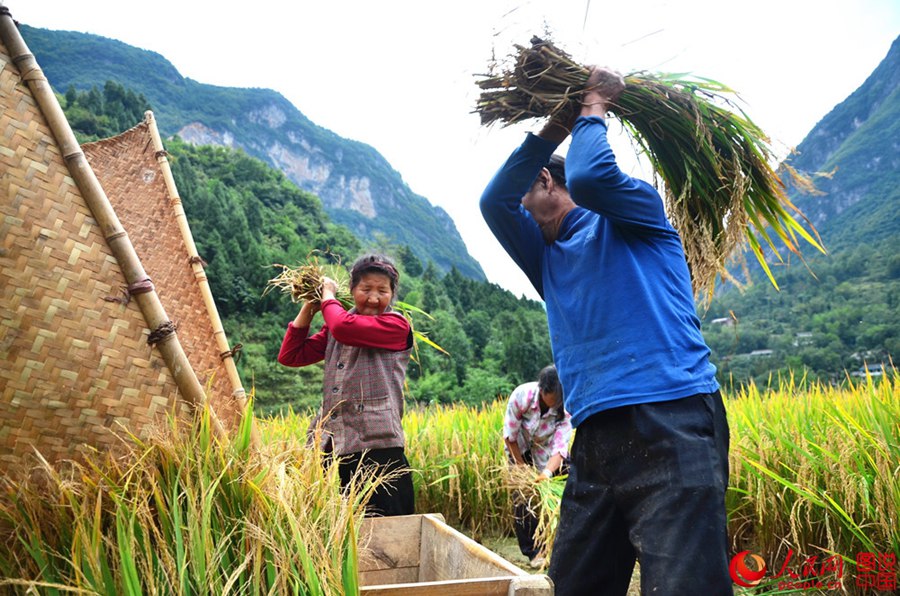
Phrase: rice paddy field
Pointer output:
(815, 472)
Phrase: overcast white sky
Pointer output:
(399, 75)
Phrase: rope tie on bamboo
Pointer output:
(139, 287)
(161, 153)
(235, 353)
(197, 259)
(162, 333)
(29, 69)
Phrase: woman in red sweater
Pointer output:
(366, 351)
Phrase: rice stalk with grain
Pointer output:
(181, 510)
(303, 283)
(813, 466)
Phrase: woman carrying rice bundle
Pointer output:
(366, 351)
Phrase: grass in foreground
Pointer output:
(180, 512)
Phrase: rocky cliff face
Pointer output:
(857, 145)
(356, 185)
(863, 106)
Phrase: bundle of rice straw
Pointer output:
(542, 499)
(304, 282)
(714, 161)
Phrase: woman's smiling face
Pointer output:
(373, 294)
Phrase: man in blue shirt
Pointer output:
(650, 456)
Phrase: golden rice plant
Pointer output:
(817, 468)
(814, 468)
(285, 426)
(457, 454)
(720, 186)
(183, 512)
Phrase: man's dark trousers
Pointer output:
(647, 482)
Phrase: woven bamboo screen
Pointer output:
(73, 366)
(128, 168)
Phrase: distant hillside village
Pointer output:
(871, 366)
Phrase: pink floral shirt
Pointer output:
(544, 435)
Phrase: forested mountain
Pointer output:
(839, 312)
(357, 186)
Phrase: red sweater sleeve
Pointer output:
(300, 349)
(388, 331)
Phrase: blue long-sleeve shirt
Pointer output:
(615, 282)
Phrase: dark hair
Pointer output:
(557, 168)
(548, 382)
(375, 263)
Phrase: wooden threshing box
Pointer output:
(420, 554)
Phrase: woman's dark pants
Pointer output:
(646, 482)
(525, 520)
(395, 497)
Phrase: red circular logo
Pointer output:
(743, 575)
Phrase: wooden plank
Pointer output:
(497, 586)
(400, 575)
(450, 555)
(389, 542)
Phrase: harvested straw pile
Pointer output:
(714, 161)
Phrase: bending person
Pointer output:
(536, 432)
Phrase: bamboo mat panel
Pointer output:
(73, 367)
(129, 172)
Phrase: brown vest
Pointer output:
(363, 393)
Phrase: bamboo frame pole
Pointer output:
(189, 386)
(196, 266)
